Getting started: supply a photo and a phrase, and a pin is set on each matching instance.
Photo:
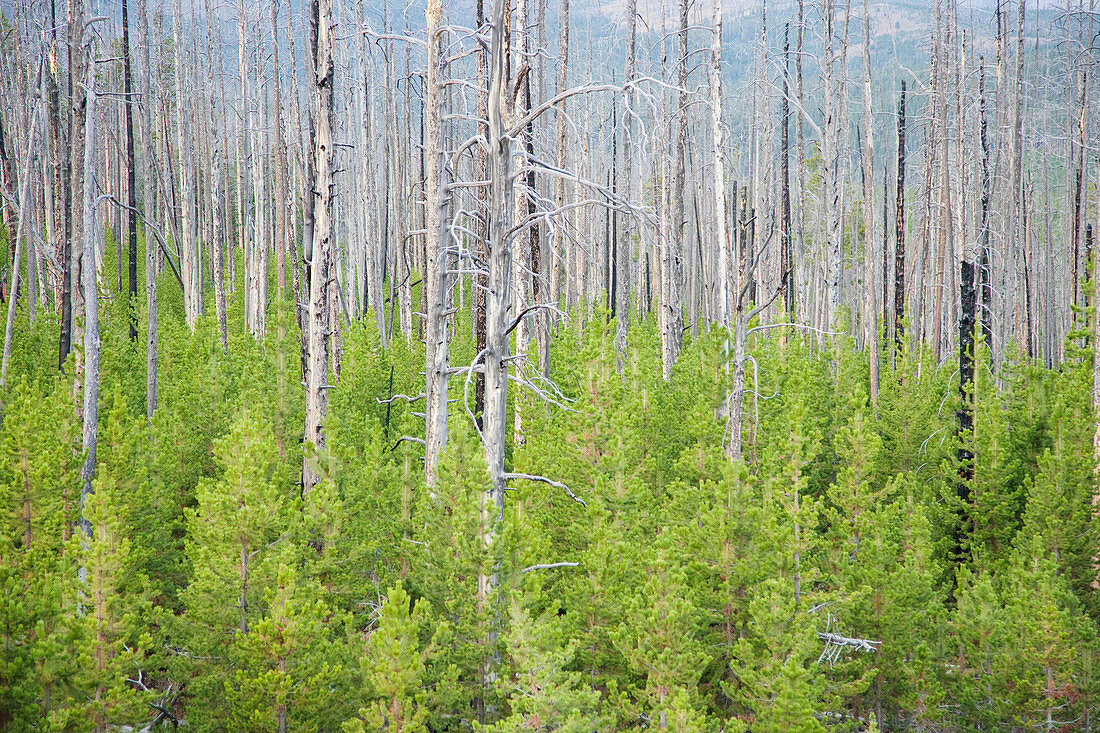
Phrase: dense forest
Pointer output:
(505, 365)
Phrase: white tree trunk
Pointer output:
(322, 42)
(436, 336)
(721, 243)
(149, 155)
(498, 299)
(189, 267)
(91, 303)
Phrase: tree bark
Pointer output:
(870, 314)
(672, 257)
(499, 296)
(131, 177)
(520, 93)
(91, 301)
(189, 265)
(17, 248)
(436, 335)
(217, 143)
(899, 221)
(786, 256)
(322, 42)
(626, 233)
(282, 234)
(71, 325)
(149, 155)
(830, 171)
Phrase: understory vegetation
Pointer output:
(839, 577)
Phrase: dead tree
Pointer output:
(71, 321)
(131, 164)
(786, 255)
(830, 168)
(322, 42)
(672, 326)
(189, 260)
(149, 155)
(436, 333)
(17, 243)
(216, 194)
(899, 222)
(870, 313)
(89, 285)
(626, 232)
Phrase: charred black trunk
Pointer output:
(786, 265)
(131, 185)
(983, 269)
(967, 320)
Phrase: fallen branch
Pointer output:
(549, 566)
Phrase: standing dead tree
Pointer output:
(321, 188)
(436, 333)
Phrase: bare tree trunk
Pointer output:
(58, 206)
(786, 255)
(721, 243)
(1096, 366)
(24, 209)
(77, 100)
(497, 301)
(216, 194)
(520, 93)
(322, 43)
(626, 234)
(131, 164)
(436, 335)
(483, 223)
(558, 256)
(7, 185)
(672, 260)
(149, 154)
(943, 227)
(282, 234)
(830, 168)
(899, 221)
(1016, 195)
(985, 288)
(870, 292)
(189, 265)
(799, 135)
(91, 301)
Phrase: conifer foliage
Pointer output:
(687, 593)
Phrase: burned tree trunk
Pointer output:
(786, 257)
(870, 291)
(499, 294)
(626, 232)
(131, 183)
(91, 301)
(216, 196)
(322, 42)
(899, 220)
(148, 206)
(986, 291)
(72, 319)
(672, 328)
(436, 336)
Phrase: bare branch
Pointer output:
(552, 482)
(549, 566)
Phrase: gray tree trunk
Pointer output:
(91, 301)
(149, 155)
(436, 335)
(322, 42)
